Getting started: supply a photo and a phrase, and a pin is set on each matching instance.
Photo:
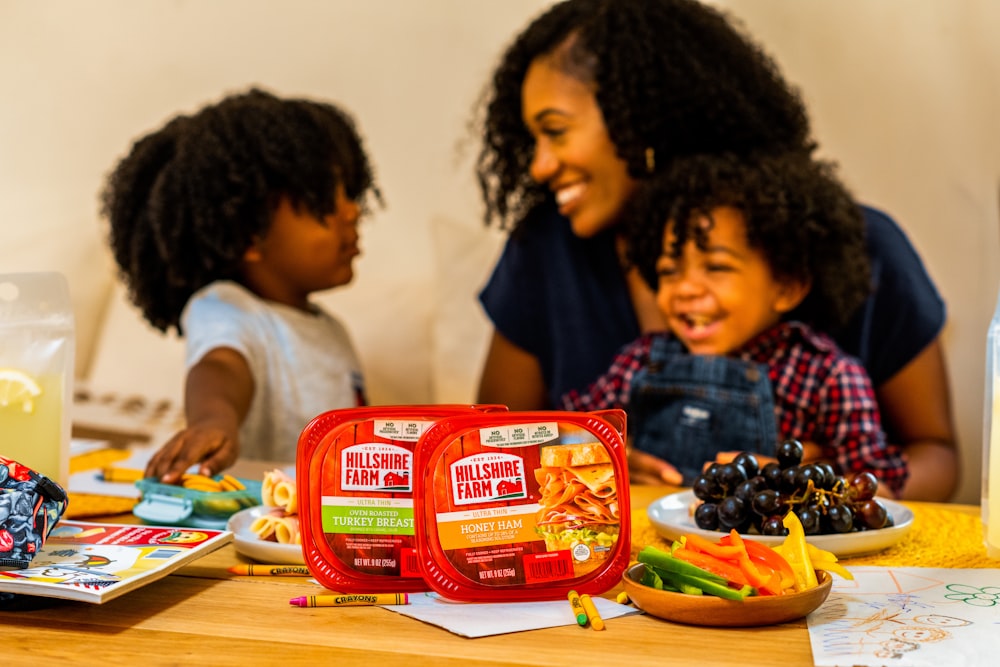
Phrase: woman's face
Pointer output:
(574, 155)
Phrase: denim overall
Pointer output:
(684, 408)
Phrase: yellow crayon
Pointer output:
(596, 621)
(112, 474)
(578, 610)
(350, 600)
(257, 570)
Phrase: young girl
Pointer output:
(748, 256)
(223, 224)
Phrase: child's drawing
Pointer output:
(908, 616)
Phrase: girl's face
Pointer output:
(573, 155)
(301, 254)
(718, 299)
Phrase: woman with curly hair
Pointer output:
(750, 259)
(591, 99)
(223, 223)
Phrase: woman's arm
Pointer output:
(916, 409)
(218, 392)
(512, 377)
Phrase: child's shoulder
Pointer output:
(226, 292)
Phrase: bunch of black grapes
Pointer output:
(744, 496)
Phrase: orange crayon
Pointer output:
(350, 600)
(257, 570)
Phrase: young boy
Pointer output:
(224, 223)
(746, 257)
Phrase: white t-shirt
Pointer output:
(303, 364)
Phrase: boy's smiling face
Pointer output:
(718, 298)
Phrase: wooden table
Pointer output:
(203, 615)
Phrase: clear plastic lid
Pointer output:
(523, 506)
(355, 477)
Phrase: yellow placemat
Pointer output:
(83, 505)
(939, 537)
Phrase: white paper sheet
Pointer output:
(909, 617)
(497, 618)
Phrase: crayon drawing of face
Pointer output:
(182, 537)
(918, 634)
(894, 649)
(939, 621)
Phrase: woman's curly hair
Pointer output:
(676, 76)
(190, 198)
(797, 213)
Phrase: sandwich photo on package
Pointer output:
(523, 506)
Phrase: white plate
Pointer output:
(672, 518)
(262, 551)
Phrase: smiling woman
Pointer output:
(596, 96)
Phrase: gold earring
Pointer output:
(650, 160)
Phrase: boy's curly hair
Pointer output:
(676, 76)
(796, 212)
(190, 198)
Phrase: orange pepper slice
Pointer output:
(762, 554)
(724, 551)
(724, 568)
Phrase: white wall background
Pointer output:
(904, 94)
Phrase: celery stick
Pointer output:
(664, 561)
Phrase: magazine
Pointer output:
(97, 562)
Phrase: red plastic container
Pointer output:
(522, 506)
(354, 477)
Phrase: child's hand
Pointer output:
(644, 468)
(215, 448)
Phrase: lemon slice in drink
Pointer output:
(18, 389)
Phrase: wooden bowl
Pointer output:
(715, 611)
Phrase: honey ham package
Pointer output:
(355, 479)
(521, 506)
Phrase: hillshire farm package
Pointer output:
(517, 506)
(355, 475)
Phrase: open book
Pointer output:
(96, 562)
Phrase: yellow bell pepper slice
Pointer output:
(827, 561)
(796, 552)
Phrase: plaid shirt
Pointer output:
(821, 396)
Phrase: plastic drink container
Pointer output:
(37, 344)
(991, 440)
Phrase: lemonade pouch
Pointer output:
(36, 371)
